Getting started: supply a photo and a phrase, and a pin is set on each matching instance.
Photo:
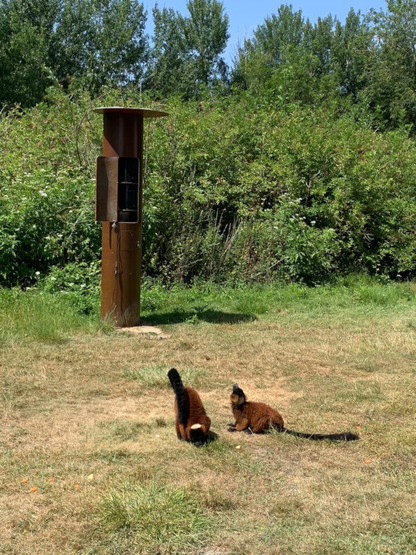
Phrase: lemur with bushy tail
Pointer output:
(191, 420)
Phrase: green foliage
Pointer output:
(287, 180)
(62, 41)
(266, 192)
(368, 59)
(168, 57)
(392, 65)
(159, 517)
(80, 282)
(288, 56)
(24, 31)
(45, 219)
(243, 188)
(351, 44)
(206, 35)
(47, 189)
(186, 57)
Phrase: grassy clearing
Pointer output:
(90, 463)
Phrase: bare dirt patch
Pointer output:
(143, 329)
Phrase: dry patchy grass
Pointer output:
(90, 462)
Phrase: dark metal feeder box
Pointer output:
(117, 192)
(119, 181)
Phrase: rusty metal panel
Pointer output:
(106, 189)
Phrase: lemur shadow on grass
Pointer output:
(212, 436)
(209, 438)
(210, 316)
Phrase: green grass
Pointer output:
(40, 316)
(94, 412)
(212, 303)
(155, 376)
(154, 518)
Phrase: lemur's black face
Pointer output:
(237, 396)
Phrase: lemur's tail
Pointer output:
(179, 390)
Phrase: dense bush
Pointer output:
(257, 191)
(241, 188)
(47, 188)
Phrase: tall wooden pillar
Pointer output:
(121, 240)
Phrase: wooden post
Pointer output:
(122, 241)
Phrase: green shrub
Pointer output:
(243, 189)
(80, 283)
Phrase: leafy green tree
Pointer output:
(322, 44)
(391, 90)
(277, 33)
(295, 60)
(166, 73)
(25, 28)
(91, 41)
(206, 36)
(352, 47)
(286, 57)
(273, 41)
(187, 50)
(101, 41)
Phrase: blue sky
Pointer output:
(246, 15)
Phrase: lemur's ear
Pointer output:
(235, 388)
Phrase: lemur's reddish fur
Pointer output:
(191, 420)
(259, 417)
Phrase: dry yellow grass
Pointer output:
(93, 417)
